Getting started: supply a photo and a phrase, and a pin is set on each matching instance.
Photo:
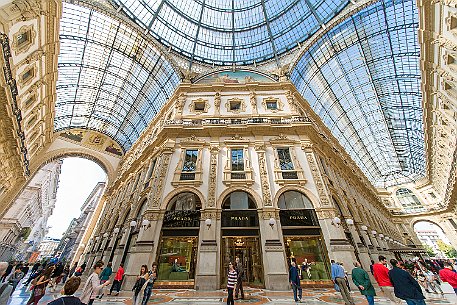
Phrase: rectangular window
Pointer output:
(199, 106)
(27, 75)
(285, 161)
(453, 223)
(432, 195)
(23, 38)
(190, 160)
(235, 105)
(272, 105)
(237, 160)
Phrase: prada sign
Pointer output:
(298, 218)
(240, 218)
(176, 219)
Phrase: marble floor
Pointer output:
(253, 296)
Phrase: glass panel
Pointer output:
(239, 201)
(363, 79)
(23, 38)
(190, 160)
(294, 200)
(237, 160)
(249, 253)
(177, 258)
(409, 201)
(226, 32)
(184, 201)
(309, 254)
(272, 105)
(285, 161)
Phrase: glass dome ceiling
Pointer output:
(363, 79)
(111, 79)
(226, 32)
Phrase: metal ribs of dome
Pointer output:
(111, 78)
(363, 79)
(227, 32)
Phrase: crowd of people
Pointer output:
(399, 280)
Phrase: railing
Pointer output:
(239, 175)
(187, 176)
(289, 175)
(241, 121)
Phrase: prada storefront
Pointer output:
(177, 253)
(303, 240)
(241, 238)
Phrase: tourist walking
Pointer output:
(39, 285)
(294, 280)
(104, 276)
(138, 287)
(381, 275)
(149, 284)
(68, 290)
(7, 271)
(239, 280)
(232, 277)
(339, 278)
(117, 280)
(362, 281)
(5, 288)
(73, 269)
(447, 274)
(92, 287)
(405, 286)
(15, 278)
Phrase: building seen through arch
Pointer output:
(269, 131)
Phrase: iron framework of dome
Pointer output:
(111, 79)
(363, 79)
(226, 32)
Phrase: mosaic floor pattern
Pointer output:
(253, 296)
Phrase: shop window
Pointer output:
(177, 258)
(308, 252)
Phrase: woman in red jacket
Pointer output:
(447, 274)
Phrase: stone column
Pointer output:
(361, 248)
(276, 273)
(144, 251)
(338, 247)
(208, 258)
(373, 252)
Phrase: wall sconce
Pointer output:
(97, 238)
(208, 223)
(374, 232)
(66, 239)
(145, 224)
(105, 235)
(272, 222)
(364, 228)
(133, 224)
(82, 246)
(336, 221)
(116, 230)
(381, 235)
(350, 221)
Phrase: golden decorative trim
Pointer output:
(29, 29)
(193, 109)
(229, 102)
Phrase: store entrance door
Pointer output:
(248, 250)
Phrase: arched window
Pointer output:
(185, 202)
(337, 205)
(409, 201)
(238, 200)
(292, 200)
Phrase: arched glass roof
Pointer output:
(111, 79)
(363, 79)
(226, 32)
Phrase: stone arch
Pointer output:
(138, 207)
(183, 189)
(313, 198)
(80, 152)
(227, 191)
(414, 221)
